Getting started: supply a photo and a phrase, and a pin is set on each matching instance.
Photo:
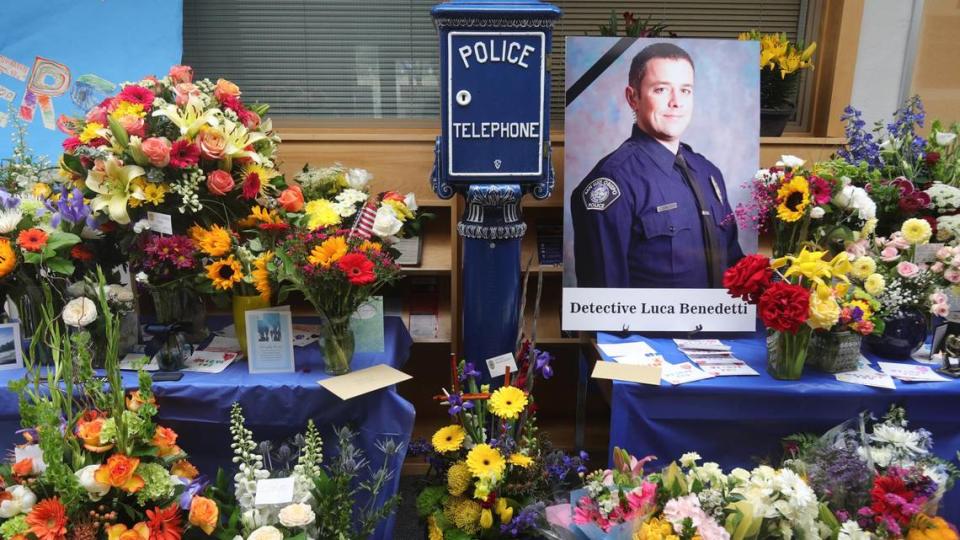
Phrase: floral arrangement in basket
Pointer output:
(94, 462)
(324, 494)
(781, 63)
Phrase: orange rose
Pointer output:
(24, 467)
(165, 439)
(204, 514)
(120, 471)
(291, 199)
(181, 74)
(184, 469)
(224, 89)
(220, 182)
(134, 401)
(140, 531)
(393, 196)
(89, 432)
(212, 143)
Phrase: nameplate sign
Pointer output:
(655, 310)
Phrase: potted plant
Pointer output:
(781, 64)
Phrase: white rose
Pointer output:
(358, 178)
(80, 312)
(411, 201)
(386, 223)
(945, 138)
(85, 477)
(266, 533)
(21, 501)
(296, 515)
(817, 212)
(790, 161)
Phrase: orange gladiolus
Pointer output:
(120, 472)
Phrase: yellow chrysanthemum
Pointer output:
(486, 461)
(520, 460)
(258, 214)
(321, 213)
(824, 310)
(448, 439)
(863, 267)
(328, 252)
(41, 190)
(215, 241)
(507, 402)
(370, 246)
(458, 478)
(916, 231)
(793, 199)
(154, 193)
(434, 532)
(225, 273)
(126, 108)
(466, 516)
(655, 529)
(90, 132)
(8, 258)
(261, 275)
(875, 284)
(139, 187)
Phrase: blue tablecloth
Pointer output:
(737, 420)
(276, 406)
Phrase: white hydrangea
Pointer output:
(944, 197)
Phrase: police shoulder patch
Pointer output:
(600, 193)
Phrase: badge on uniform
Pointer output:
(600, 194)
(716, 189)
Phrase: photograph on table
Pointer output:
(11, 355)
(270, 341)
(660, 136)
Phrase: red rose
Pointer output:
(359, 269)
(748, 278)
(784, 307)
(219, 182)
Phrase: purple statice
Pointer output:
(457, 405)
(838, 476)
(468, 371)
(861, 145)
(543, 360)
(524, 522)
(905, 121)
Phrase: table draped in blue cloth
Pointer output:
(735, 420)
(276, 406)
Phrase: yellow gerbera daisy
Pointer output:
(520, 460)
(91, 131)
(215, 241)
(863, 267)
(321, 213)
(793, 199)
(485, 461)
(261, 275)
(448, 439)
(225, 273)
(8, 258)
(329, 252)
(154, 193)
(507, 402)
(916, 231)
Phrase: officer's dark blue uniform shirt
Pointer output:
(636, 223)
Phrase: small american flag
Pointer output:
(363, 226)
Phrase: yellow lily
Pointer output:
(113, 188)
(238, 138)
(190, 118)
(840, 266)
(809, 264)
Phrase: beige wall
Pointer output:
(936, 74)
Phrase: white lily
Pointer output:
(191, 117)
(113, 188)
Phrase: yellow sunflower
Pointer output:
(225, 273)
(321, 213)
(508, 402)
(485, 461)
(8, 258)
(328, 252)
(370, 246)
(448, 439)
(520, 460)
(215, 242)
(793, 199)
(261, 275)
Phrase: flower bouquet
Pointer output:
(324, 495)
(781, 64)
(613, 502)
(94, 463)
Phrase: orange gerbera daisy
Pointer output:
(48, 520)
(328, 252)
(8, 258)
(32, 239)
(164, 523)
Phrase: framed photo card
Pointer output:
(11, 354)
(269, 341)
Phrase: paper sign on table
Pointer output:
(867, 376)
(209, 361)
(138, 361)
(272, 491)
(734, 369)
(627, 372)
(656, 360)
(910, 372)
(711, 358)
(701, 344)
(223, 344)
(363, 381)
(497, 366)
(683, 372)
(634, 348)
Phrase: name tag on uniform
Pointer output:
(667, 207)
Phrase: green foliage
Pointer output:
(634, 27)
(430, 499)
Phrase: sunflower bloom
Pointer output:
(261, 275)
(225, 273)
(330, 251)
(48, 520)
(485, 461)
(259, 214)
(448, 439)
(507, 402)
(793, 199)
(215, 242)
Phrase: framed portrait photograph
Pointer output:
(269, 341)
(11, 353)
(660, 137)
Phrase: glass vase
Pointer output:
(181, 305)
(903, 333)
(786, 353)
(242, 304)
(338, 345)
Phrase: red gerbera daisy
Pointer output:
(273, 227)
(71, 143)
(251, 186)
(48, 520)
(81, 252)
(164, 523)
(32, 239)
(184, 154)
(137, 94)
(359, 269)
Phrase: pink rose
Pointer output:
(219, 182)
(907, 269)
(133, 125)
(940, 310)
(184, 91)
(858, 248)
(944, 252)
(952, 275)
(897, 241)
(181, 74)
(212, 143)
(157, 150)
(889, 254)
(938, 298)
(225, 88)
(98, 115)
(937, 267)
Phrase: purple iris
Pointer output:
(457, 404)
(543, 360)
(195, 486)
(469, 371)
(72, 208)
(8, 201)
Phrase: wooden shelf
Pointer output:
(435, 250)
(528, 248)
(444, 320)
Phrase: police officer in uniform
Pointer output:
(654, 213)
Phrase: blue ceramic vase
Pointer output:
(904, 333)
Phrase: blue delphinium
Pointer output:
(905, 121)
(861, 145)
(525, 521)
